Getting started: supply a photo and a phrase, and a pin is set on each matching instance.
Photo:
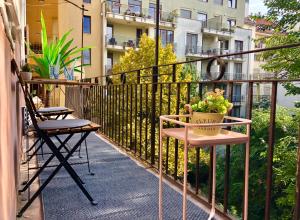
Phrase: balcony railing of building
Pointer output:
(217, 24)
(145, 14)
(202, 51)
(129, 108)
(122, 42)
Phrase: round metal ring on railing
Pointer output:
(108, 80)
(123, 78)
(222, 68)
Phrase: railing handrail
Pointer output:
(210, 58)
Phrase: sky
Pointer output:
(256, 6)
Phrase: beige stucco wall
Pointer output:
(69, 17)
(10, 133)
(34, 9)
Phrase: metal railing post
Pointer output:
(271, 151)
(153, 109)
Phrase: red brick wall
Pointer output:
(10, 129)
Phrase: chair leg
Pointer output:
(79, 152)
(36, 150)
(43, 167)
(42, 150)
(70, 170)
(87, 158)
(64, 145)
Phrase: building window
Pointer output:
(87, 1)
(202, 17)
(86, 56)
(166, 36)
(237, 90)
(231, 23)
(87, 24)
(135, 7)
(232, 3)
(113, 6)
(152, 10)
(224, 45)
(185, 13)
(238, 68)
(191, 43)
(239, 46)
(218, 2)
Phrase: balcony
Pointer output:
(198, 52)
(121, 44)
(125, 14)
(217, 27)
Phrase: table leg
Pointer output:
(213, 200)
(160, 209)
(245, 215)
(184, 208)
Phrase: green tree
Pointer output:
(286, 62)
(283, 189)
(142, 58)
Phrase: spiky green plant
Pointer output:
(52, 50)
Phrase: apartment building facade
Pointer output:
(196, 28)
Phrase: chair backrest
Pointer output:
(24, 87)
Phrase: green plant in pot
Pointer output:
(26, 72)
(211, 109)
(59, 53)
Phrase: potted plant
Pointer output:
(26, 73)
(56, 55)
(211, 109)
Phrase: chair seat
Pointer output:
(62, 124)
(52, 109)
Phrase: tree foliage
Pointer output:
(286, 62)
(284, 166)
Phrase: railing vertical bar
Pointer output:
(176, 141)
(297, 206)
(153, 112)
(227, 159)
(119, 115)
(136, 117)
(141, 118)
(101, 108)
(200, 88)
(107, 111)
(130, 120)
(271, 151)
(126, 122)
(168, 139)
(123, 116)
(110, 110)
(146, 126)
(197, 162)
(113, 113)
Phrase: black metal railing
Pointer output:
(123, 107)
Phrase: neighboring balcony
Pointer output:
(125, 14)
(217, 27)
(263, 76)
(121, 44)
(199, 52)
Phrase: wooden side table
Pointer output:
(191, 140)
